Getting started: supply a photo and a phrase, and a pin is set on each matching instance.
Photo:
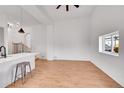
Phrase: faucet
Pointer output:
(4, 55)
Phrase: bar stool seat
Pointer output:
(22, 66)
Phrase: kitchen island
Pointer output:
(8, 66)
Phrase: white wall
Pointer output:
(107, 19)
(70, 39)
(1, 36)
(38, 38)
(3, 23)
(66, 40)
(50, 41)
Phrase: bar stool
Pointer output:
(22, 66)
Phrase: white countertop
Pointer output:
(16, 56)
(8, 66)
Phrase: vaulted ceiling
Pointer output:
(45, 14)
(62, 14)
(17, 13)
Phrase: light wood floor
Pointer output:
(70, 74)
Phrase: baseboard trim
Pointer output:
(63, 60)
(72, 60)
(107, 74)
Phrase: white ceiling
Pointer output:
(45, 14)
(62, 14)
(17, 13)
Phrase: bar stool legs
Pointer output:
(27, 64)
(16, 73)
(30, 69)
(22, 73)
(22, 66)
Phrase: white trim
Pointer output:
(110, 53)
(102, 47)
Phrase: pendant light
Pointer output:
(21, 29)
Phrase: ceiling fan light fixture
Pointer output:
(67, 7)
(77, 6)
(58, 6)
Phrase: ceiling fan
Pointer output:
(67, 7)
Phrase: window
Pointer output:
(109, 43)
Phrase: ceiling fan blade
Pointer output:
(67, 7)
(76, 6)
(58, 6)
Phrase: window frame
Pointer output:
(102, 43)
